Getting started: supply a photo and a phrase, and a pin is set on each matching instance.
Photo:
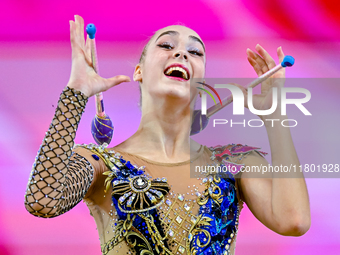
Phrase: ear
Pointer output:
(137, 75)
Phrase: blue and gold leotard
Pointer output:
(158, 209)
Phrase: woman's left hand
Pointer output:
(262, 62)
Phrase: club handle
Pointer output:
(101, 127)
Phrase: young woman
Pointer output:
(140, 192)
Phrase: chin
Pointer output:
(176, 91)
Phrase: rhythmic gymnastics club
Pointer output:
(101, 126)
(201, 121)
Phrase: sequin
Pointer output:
(180, 197)
(186, 207)
(181, 249)
(95, 157)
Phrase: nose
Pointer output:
(180, 54)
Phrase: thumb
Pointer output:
(280, 54)
(110, 82)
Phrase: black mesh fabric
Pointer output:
(60, 178)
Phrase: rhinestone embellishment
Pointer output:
(140, 184)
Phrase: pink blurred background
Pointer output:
(35, 66)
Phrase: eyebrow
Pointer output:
(192, 37)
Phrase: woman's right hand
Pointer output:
(83, 77)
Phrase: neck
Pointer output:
(164, 129)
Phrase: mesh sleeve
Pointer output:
(60, 177)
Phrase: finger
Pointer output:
(72, 35)
(255, 65)
(256, 57)
(88, 48)
(251, 54)
(116, 80)
(78, 29)
(263, 65)
(73, 39)
(268, 59)
(81, 30)
(77, 24)
(280, 54)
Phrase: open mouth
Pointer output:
(177, 72)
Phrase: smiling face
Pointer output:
(174, 56)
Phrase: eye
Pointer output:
(196, 52)
(166, 45)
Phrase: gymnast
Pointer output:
(140, 192)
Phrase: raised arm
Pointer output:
(58, 179)
(280, 203)
(280, 199)
(61, 178)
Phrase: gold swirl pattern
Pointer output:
(212, 191)
(156, 237)
(196, 229)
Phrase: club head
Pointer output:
(102, 129)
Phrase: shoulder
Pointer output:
(235, 152)
(235, 149)
(97, 156)
(90, 152)
(236, 156)
(113, 163)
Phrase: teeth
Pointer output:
(171, 69)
